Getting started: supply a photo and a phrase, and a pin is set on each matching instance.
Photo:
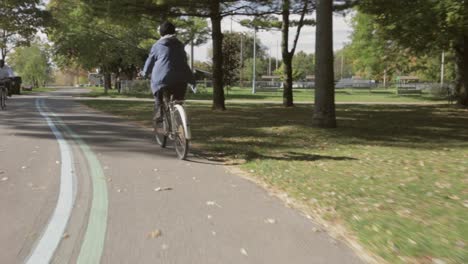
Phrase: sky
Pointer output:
(272, 39)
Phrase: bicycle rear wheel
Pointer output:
(181, 141)
(160, 131)
(3, 96)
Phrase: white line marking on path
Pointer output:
(50, 239)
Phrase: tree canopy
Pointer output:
(20, 20)
(32, 63)
(424, 26)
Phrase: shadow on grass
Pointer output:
(259, 131)
(273, 132)
(294, 156)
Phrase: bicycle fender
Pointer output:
(185, 123)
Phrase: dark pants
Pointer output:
(177, 91)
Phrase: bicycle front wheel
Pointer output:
(181, 139)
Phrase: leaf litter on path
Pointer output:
(243, 252)
(160, 189)
(154, 234)
(213, 203)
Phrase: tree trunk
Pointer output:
(461, 81)
(117, 81)
(217, 38)
(324, 109)
(4, 49)
(107, 82)
(287, 58)
(287, 82)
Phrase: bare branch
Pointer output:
(299, 27)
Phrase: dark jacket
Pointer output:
(168, 65)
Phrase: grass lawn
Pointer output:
(300, 95)
(396, 177)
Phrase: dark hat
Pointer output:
(166, 28)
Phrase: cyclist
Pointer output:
(5, 74)
(167, 63)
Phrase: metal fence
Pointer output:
(143, 86)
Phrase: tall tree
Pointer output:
(32, 64)
(106, 46)
(231, 57)
(426, 25)
(288, 7)
(19, 22)
(287, 54)
(324, 109)
(215, 10)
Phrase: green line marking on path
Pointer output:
(93, 242)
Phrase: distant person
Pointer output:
(5, 74)
(167, 63)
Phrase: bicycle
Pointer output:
(3, 94)
(173, 125)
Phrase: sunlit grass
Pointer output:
(300, 95)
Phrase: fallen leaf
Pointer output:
(454, 197)
(465, 203)
(213, 233)
(24, 167)
(57, 162)
(4, 179)
(154, 234)
(460, 244)
(316, 230)
(270, 221)
(209, 216)
(65, 236)
(212, 203)
(443, 185)
(159, 189)
(243, 252)
(155, 170)
(164, 247)
(438, 261)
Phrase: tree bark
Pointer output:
(461, 81)
(217, 38)
(107, 82)
(324, 109)
(117, 81)
(287, 58)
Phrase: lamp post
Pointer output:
(254, 60)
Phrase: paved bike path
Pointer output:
(162, 210)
